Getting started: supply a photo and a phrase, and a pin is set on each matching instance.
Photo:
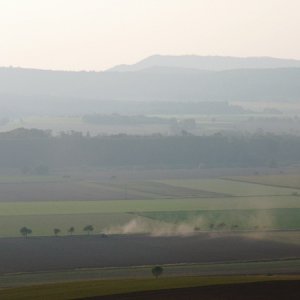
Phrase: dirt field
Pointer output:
(45, 254)
(93, 191)
(63, 191)
(272, 290)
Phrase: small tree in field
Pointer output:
(157, 271)
(25, 231)
(56, 231)
(88, 229)
(71, 230)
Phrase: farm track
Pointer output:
(261, 183)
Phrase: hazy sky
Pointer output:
(98, 34)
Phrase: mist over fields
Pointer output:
(157, 79)
(194, 156)
(164, 111)
(149, 149)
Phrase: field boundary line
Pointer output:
(265, 184)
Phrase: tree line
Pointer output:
(41, 151)
(26, 231)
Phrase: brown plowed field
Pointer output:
(94, 191)
(50, 253)
(58, 191)
(273, 290)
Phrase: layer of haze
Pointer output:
(98, 34)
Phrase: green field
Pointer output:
(286, 218)
(43, 217)
(62, 291)
(43, 225)
(239, 205)
(123, 206)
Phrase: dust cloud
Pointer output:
(150, 227)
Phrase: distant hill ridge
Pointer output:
(176, 79)
(210, 63)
